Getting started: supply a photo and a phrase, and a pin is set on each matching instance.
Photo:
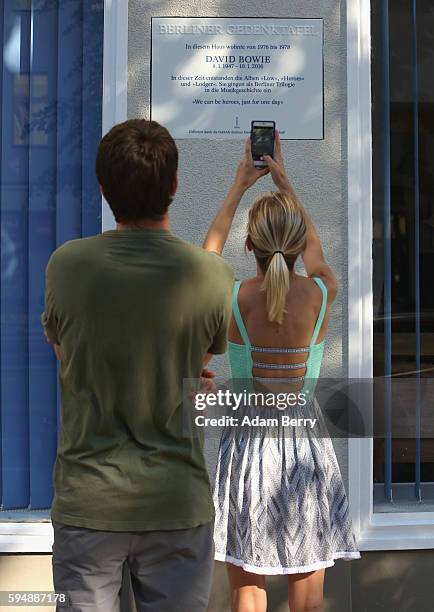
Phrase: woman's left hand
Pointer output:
(247, 174)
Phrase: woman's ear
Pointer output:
(249, 245)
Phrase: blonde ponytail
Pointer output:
(277, 232)
(276, 286)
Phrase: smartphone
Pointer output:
(262, 141)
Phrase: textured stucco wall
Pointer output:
(317, 168)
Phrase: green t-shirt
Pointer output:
(134, 313)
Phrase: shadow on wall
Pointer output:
(393, 581)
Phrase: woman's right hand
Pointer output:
(277, 168)
(247, 174)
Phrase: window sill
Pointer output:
(26, 537)
(398, 531)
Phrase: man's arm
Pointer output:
(56, 347)
(207, 374)
(245, 177)
(49, 319)
(207, 359)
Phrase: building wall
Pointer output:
(388, 581)
(317, 169)
(381, 581)
(207, 167)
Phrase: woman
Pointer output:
(281, 507)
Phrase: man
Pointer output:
(131, 313)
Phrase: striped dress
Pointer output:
(281, 506)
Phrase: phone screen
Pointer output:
(262, 138)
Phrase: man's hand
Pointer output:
(207, 384)
(247, 174)
(207, 373)
(277, 167)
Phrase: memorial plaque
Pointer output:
(211, 76)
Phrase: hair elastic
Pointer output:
(281, 252)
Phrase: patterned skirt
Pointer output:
(281, 505)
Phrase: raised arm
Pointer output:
(313, 255)
(245, 177)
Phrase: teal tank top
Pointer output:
(240, 355)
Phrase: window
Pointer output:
(403, 238)
(51, 55)
(389, 136)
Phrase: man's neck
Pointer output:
(162, 223)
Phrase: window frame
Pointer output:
(37, 536)
(374, 531)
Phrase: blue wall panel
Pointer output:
(42, 241)
(14, 278)
(51, 100)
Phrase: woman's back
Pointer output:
(288, 352)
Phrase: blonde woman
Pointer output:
(281, 507)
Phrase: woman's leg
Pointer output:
(247, 590)
(305, 591)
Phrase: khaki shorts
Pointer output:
(171, 571)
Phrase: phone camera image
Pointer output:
(262, 141)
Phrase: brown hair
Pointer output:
(277, 231)
(136, 167)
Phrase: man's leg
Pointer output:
(171, 571)
(87, 566)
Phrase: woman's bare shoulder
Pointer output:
(250, 292)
